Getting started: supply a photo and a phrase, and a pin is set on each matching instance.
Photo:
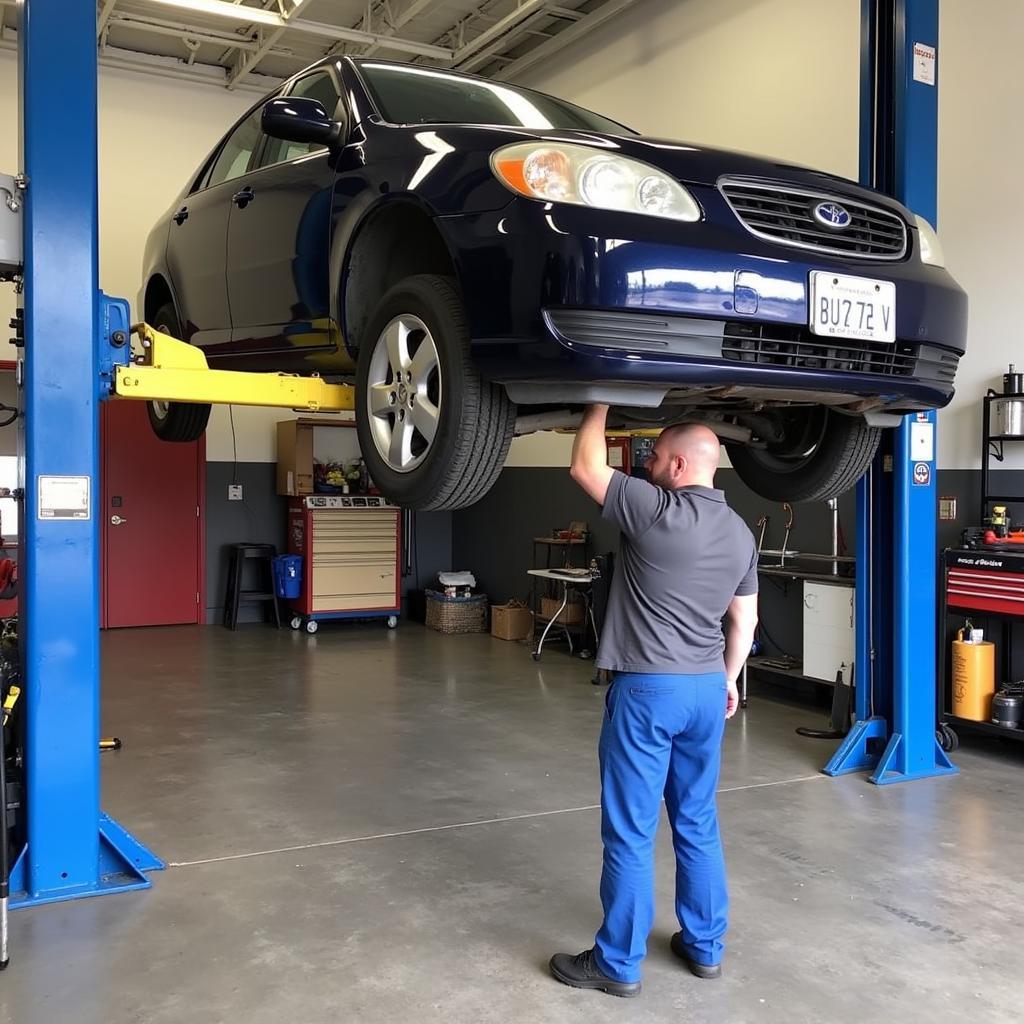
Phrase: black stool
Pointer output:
(264, 555)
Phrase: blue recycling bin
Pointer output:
(288, 576)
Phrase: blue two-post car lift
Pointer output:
(76, 346)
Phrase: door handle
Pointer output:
(116, 520)
(243, 197)
(181, 216)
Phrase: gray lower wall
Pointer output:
(260, 518)
(493, 538)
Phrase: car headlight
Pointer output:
(931, 247)
(566, 173)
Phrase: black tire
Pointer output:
(821, 456)
(474, 419)
(180, 422)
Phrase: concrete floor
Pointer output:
(373, 826)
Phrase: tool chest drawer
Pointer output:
(375, 578)
(986, 581)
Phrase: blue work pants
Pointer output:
(662, 737)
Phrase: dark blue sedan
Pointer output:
(483, 259)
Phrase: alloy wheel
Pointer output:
(403, 393)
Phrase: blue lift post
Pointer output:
(894, 736)
(73, 849)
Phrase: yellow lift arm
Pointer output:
(169, 370)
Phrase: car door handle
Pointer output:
(242, 198)
(181, 216)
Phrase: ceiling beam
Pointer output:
(247, 62)
(162, 67)
(245, 15)
(101, 22)
(524, 27)
(564, 38)
(404, 16)
(157, 26)
(353, 35)
(497, 30)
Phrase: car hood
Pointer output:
(695, 164)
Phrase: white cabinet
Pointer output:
(828, 630)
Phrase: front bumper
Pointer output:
(564, 297)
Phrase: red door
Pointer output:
(153, 498)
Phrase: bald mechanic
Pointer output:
(687, 562)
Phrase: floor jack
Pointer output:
(839, 720)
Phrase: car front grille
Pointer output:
(796, 348)
(784, 214)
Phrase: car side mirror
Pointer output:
(298, 119)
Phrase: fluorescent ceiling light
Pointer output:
(223, 9)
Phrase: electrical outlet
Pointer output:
(234, 492)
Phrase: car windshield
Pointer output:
(414, 95)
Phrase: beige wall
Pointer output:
(153, 133)
(981, 152)
(777, 77)
(747, 74)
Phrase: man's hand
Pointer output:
(732, 700)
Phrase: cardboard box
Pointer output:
(572, 616)
(512, 621)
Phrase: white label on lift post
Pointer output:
(924, 63)
(922, 442)
(63, 497)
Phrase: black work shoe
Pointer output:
(706, 971)
(581, 971)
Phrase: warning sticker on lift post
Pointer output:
(922, 474)
(63, 497)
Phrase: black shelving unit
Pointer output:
(992, 448)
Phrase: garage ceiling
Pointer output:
(254, 44)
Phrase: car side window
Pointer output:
(317, 86)
(236, 152)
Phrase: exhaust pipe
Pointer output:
(566, 420)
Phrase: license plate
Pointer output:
(852, 307)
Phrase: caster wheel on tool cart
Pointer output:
(296, 622)
(948, 739)
(312, 626)
(392, 621)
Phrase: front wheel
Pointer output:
(175, 421)
(818, 454)
(433, 433)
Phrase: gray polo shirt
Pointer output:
(684, 556)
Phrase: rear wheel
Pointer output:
(175, 421)
(819, 454)
(433, 433)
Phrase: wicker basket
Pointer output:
(457, 614)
